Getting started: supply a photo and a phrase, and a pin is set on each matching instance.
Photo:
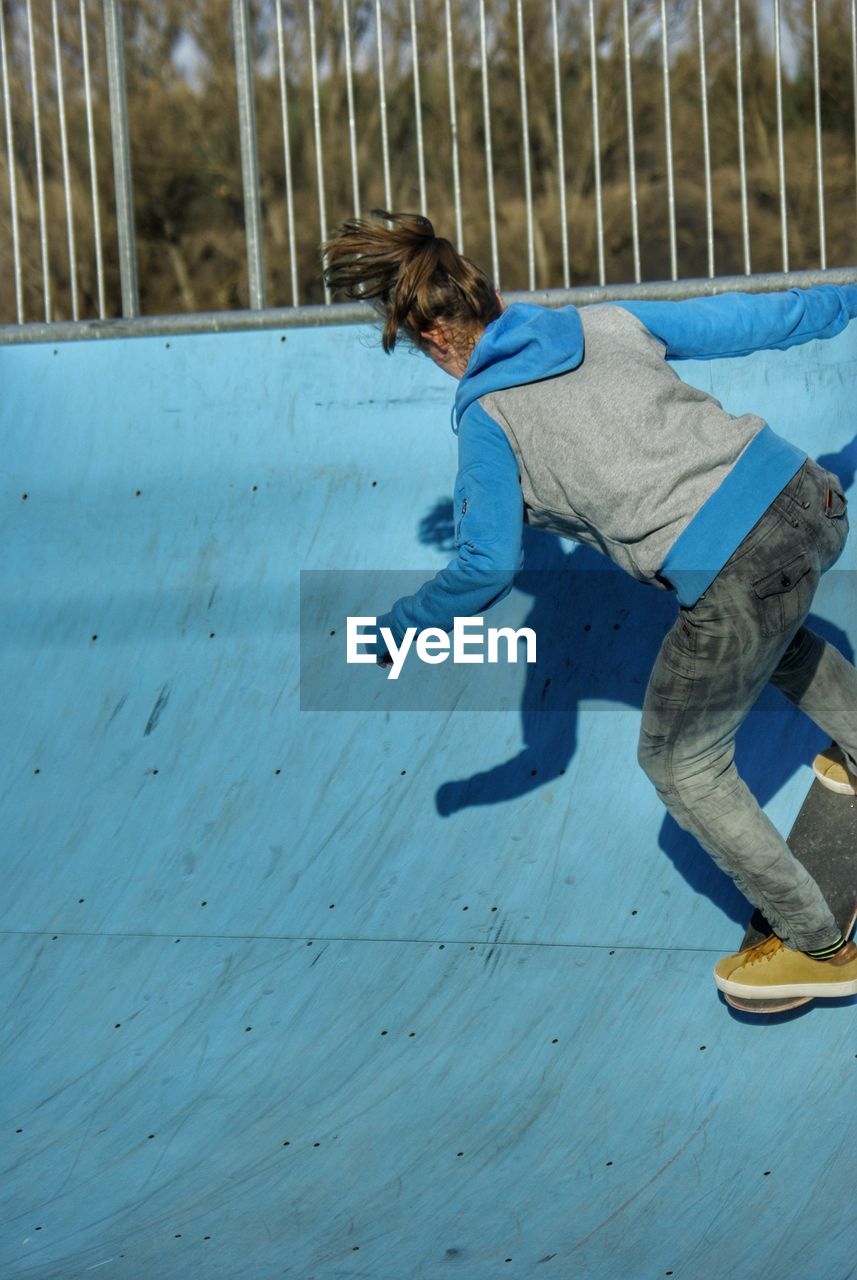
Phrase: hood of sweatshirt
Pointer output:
(525, 344)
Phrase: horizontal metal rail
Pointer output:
(350, 313)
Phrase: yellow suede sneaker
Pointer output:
(832, 772)
(771, 971)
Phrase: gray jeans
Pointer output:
(746, 630)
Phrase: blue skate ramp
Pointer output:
(311, 973)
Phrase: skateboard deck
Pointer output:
(824, 839)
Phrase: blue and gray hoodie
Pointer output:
(574, 421)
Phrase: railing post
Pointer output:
(249, 153)
(121, 158)
(13, 184)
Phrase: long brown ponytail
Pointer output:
(416, 279)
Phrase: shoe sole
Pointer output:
(787, 990)
(841, 788)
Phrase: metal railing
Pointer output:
(563, 118)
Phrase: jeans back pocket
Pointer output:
(786, 594)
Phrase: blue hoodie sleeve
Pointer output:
(488, 525)
(735, 324)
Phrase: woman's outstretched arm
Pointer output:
(488, 528)
(735, 324)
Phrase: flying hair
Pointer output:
(414, 278)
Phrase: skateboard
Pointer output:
(824, 839)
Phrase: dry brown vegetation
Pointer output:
(186, 157)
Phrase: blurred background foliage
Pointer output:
(186, 158)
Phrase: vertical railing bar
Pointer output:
(382, 101)
(525, 140)
(453, 125)
(781, 154)
(742, 148)
(93, 168)
(489, 159)
(632, 161)
(13, 180)
(819, 160)
(560, 150)
(287, 154)
(316, 116)
(706, 140)
(66, 174)
(854, 80)
(121, 158)
(421, 159)
(40, 168)
(352, 115)
(665, 48)
(249, 153)
(596, 143)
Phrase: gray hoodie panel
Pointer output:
(619, 453)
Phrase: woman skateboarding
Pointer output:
(574, 421)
